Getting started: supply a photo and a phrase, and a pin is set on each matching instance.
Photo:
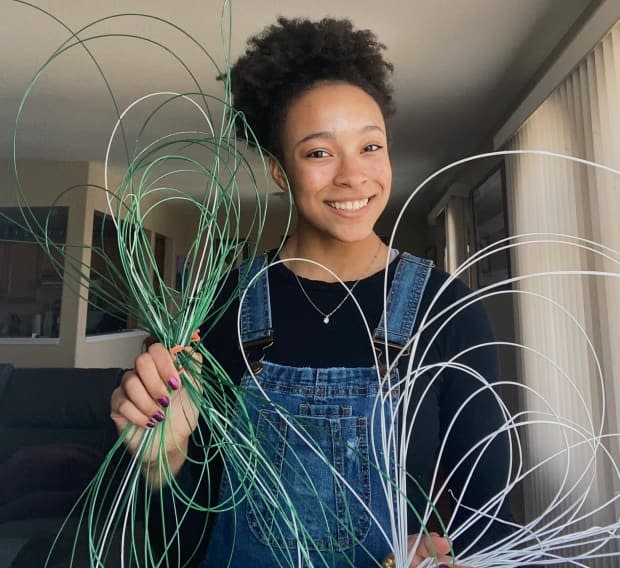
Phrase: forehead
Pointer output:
(332, 107)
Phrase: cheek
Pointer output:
(384, 177)
(382, 171)
(307, 182)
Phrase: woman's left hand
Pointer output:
(430, 546)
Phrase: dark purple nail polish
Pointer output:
(158, 416)
(444, 566)
(174, 383)
(164, 401)
(151, 423)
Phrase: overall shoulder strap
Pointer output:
(403, 302)
(256, 326)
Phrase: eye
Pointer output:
(317, 154)
(372, 148)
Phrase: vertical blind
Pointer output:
(559, 314)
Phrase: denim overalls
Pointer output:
(304, 498)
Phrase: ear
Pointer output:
(278, 175)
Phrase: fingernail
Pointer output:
(444, 566)
(164, 401)
(174, 383)
(159, 416)
(151, 423)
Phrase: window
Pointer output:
(491, 226)
(30, 278)
(105, 313)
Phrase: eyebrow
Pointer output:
(330, 134)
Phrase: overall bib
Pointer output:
(313, 494)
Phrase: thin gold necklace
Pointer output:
(327, 316)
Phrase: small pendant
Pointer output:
(326, 319)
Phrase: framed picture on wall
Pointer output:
(490, 215)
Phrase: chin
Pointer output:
(353, 236)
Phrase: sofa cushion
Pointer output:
(58, 398)
(48, 468)
(5, 373)
(43, 504)
(100, 439)
(71, 551)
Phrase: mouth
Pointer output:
(352, 205)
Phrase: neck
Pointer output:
(349, 260)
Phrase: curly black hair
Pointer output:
(290, 57)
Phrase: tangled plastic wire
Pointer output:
(567, 530)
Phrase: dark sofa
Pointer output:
(55, 430)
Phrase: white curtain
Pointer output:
(548, 195)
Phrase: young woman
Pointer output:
(317, 96)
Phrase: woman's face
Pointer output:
(335, 155)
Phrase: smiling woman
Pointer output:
(335, 156)
(280, 416)
(323, 464)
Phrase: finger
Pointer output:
(124, 411)
(116, 412)
(448, 562)
(441, 561)
(433, 545)
(415, 561)
(165, 369)
(147, 411)
(430, 546)
(191, 369)
(156, 386)
(440, 545)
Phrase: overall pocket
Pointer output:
(315, 486)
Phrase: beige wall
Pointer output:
(173, 223)
(42, 183)
(276, 224)
(113, 350)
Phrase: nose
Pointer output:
(350, 172)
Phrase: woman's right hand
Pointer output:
(150, 394)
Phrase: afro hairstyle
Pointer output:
(290, 57)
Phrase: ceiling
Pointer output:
(462, 66)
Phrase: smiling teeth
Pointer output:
(349, 205)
